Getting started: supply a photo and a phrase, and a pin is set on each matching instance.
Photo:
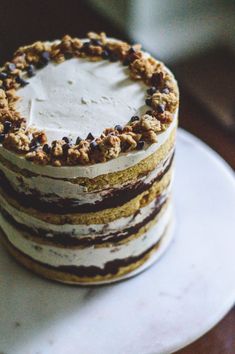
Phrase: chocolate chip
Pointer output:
(66, 139)
(34, 147)
(131, 50)
(165, 90)
(45, 56)
(46, 148)
(40, 138)
(151, 91)
(11, 67)
(149, 112)
(134, 118)
(4, 86)
(96, 42)
(7, 126)
(3, 76)
(124, 145)
(140, 145)
(160, 108)
(131, 56)
(21, 81)
(30, 70)
(118, 128)
(113, 57)
(90, 137)
(2, 137)
(126, 61)
(68, 55)
(105, 54)
(157, 79)
(94, 145)
(86, 46)
(44, 59)
(34, 144)
(148, 101)
(36, 140)
(78, 140)
(66, 147)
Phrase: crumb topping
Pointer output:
(161, 96)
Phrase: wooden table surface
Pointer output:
(25, 21)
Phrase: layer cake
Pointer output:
(87, 140)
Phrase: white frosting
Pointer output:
(79, 96)
(81, 230)
(121, 163)
(89, 256)
(53, 190)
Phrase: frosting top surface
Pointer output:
(79, 96)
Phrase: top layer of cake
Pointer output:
(85, 110)
(78, 96)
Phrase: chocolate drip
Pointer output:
(115, 198)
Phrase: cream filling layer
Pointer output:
(81, 230)
(89, 256)
(53, 190)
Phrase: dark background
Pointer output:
(23, 22)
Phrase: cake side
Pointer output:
(95, 240)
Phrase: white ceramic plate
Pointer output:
(163, 309)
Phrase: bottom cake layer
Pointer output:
(115, 270)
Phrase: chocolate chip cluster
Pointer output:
(161, 96)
